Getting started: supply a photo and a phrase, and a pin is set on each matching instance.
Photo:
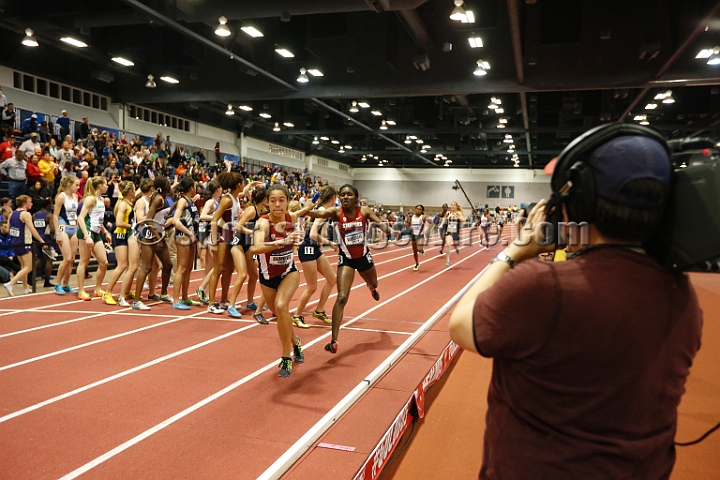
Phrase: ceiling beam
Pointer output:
(699, 28)
(514, 17)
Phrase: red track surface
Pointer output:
(103, 392)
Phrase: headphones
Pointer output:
(573, 182)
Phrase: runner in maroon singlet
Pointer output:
(351, 223)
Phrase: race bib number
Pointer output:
(452, 227)
(354, 238)
(14, 232)
(61, 228)
(309, 250)
(340, 260)
(120, 236)
(72, 217)
(236, 241)
(281, 259)
(369, 258)
(202, 228)
(39, 223)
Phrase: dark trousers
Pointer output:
(16, 188)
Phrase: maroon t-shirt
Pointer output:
(590, 361)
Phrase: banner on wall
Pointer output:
(493, 191)
(508, 191)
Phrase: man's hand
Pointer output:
(530, 240)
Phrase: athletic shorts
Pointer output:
(226, 235)
(203, 232)
(242, 240)
(70, 230)
(417, 238)
(360, 264)
(20, 250)
(274, 282)
(96, 237)
(455, 236)
(121, 239)
(309, 252)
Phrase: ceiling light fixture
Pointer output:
(408, 141)
(74, 42)
(714, 60)
(284, 52)
(252, 31)
(499, 110)
(470, 16)
(123, 61)
(29, 40)
(316, 141)
(419, 141)
(391, 123)
(341, 150)
(363, 105)
(482, 68)
(383, 125)
(265, 115)
(315, 72)
(377, 113)
(423, 151)
(500, 125)
(651, 106)
(380, 164)
(303, 78)
(289, 124)
(668, 97)
(354, 107)
(324, 139)
(245, 108)
(151, 82)
(276, 128)
(348, 147)
(222, 30)
(644, 122)
(508, 138)
(335, 142)
(230, 110)
(170, 79)
(503, 120)
(639, 117)
(475, 42)
(459, 14)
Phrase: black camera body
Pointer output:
(688, 237)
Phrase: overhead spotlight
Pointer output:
(383, 125)
(222, 30)
(408, 141)
(500, 125)
(151, 82)
(342, 150)
(482, 68)
(639, 117)
(668, 98)
(499, 110)
(265, 115)
(644, 122)
(419, 141)
(324, 139)
(245, 108)
(123, 61)
(363, 105)
(348, 147)
(423, 151)
(503, 120)
(276, 128)
(363, 159)
(446, 165)
(391, 123)
(29, 40)
(169, 79)
(315, 72)
(380, 164)
(354, 107)
(448, 160)
(516, 165)
(316, 141)
(303, 78)
(335, 142)
(289, 124)
(651, 106)
(714, 59)
(470, 16)
(459, 14)
(252, 31)
(377, 113)
(74, 42)
(284, 52)
(230, 110)
(475, 42)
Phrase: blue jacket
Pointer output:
(5, 249)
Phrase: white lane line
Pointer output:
(376, 331)
(123, 374)
(147, 433)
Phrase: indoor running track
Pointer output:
(105, 392)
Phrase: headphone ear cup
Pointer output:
(581, 197)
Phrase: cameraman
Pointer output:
(590, 356)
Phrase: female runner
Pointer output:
(90, 235)
(124, 244)
(240, 250)
(485, 227)
(186, 220)
(65, 217)
(442, 226)
(213, 191)
(417, 237)
(350, 222)
(313, 261)
(21, 232)
(140, 210)
(279, 279)
(156, 209)
(453, 220)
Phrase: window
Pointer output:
(17, 80)
(54, 90)
(86, 99)
(343, 167)
(95, 101)
(174, 122)
(28, 83)
(77, 96)
(103, 103)
(65, 93)
(41, 86)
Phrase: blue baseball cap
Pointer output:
(625, 159)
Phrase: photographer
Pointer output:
(590, 356)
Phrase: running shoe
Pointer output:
(138, 305)
(375, 294)
(300, 321)
(84, 296)
(332, 347)
(154, 296)
(202, 296)
(27, 291)
(416, 267)
(224, 305)
(447, 263)
(423, 251)
(487, 248)
(251, 306)
(441, 251)
(50, 253)
(108, 299)
(285, 367)
(457, 250)
(233, 312)
(166, 298)
(99, 293)
(69, 289)
(298, 354)
(190, 302)
(130, 296)
(181, 306)
(322, 316)
(260, 319)
(59, 290)
(8, 287)
(48, 284)
(122, 302)
(215, 308)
